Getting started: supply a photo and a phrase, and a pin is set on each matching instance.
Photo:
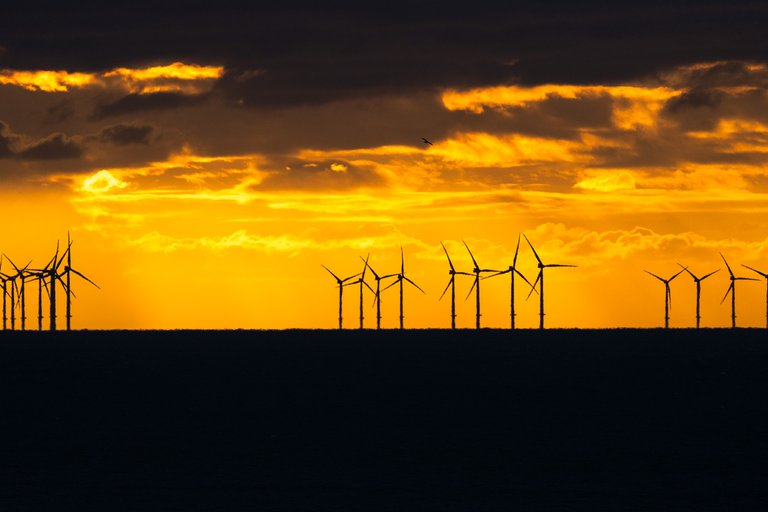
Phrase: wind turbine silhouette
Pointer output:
(698, 281)
(512, 270)
(667, 294)
(452, 285)
(342, 283)
(476, 285)
(21, 273)
(377, 293)
(765, 275)
(4, 278)
(52, 270)
(14, 290)
(39, 275)
(362, 282)
(68, 271)
(732, 290)
(399, 279)
(540, 280)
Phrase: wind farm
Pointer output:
(48, 278)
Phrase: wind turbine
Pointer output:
(377, 293)
(732, 290)
(399, 279)
(342, 283)
(452, 285)
(667, 294)
(766, 290)
(4, 279)
(476, 285)
(512, 270)
(39, 275)
(68, 270)
(52, 270)
(362, 282)
(698, 281)
(540, 280)
(14, 290)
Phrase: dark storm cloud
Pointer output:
(134, 103)
(316, 53)
(123, 135)
(54, 147)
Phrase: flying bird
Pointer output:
(426, 141)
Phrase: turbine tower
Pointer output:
(4, 279)
(362, 282)
(52, 270)
(732, 290)
(342, 283)
(15, 290)
(540, 280)
(377, 293)
(698, 281)
(476, 285)
(399, 280)
(667, 294)
(68, 270)
(512, 270)
(765, 275)
(22, 302)
(452, 285)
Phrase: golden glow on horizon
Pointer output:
(236, 240)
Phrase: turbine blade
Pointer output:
(707, 275)
(534, 250)
(727, 292)
(496, 273)
(390, 285)
(755, 270)
(470, 254)
(365, 267)
(727, 265)
(674, 276)
(654, 275)
(81, 275)
(474, 283)
(450, 282)
(559, 265)
(414, 284)
(329, 271)
(450, 263)
(524, 278)
(370, 268)
(517, 249)
(533, 286)
(689, 272)
(745, 279)
(350, 277)
(402, 261)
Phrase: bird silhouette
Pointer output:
(426, 141)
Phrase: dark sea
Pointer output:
(422, 420)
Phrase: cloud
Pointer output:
(133, 103)
(54, 147)
(123, 135)
(320, 176)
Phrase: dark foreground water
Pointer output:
(421, 420)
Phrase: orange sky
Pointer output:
(212, 216)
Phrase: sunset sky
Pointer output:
(206, 163)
